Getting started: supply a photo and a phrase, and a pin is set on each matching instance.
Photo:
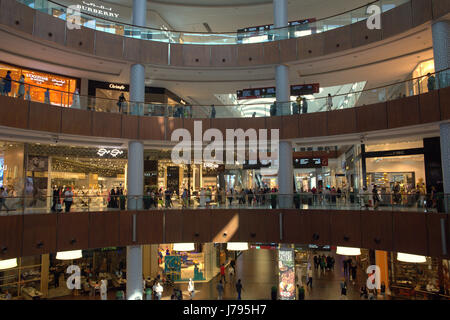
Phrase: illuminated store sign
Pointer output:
(116, 86)
(36, 77)
(93, 8)
(310, 162)
(270, 92)
(113, 152)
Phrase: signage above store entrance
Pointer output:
(97, 9)
(270, 92)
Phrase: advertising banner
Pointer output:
(286, 265)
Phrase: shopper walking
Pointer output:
(158, 289)
(310, 278)
(47, 96)
(121, 102)
(76, 99)
(230, 196)
(329, 102)
(104, 289)
(220, 290)
(239, 289)
(376, 197)
(213, 112)
(68, 199)
(3, 196)
(431, 82)
(304, 106)
(301, 292)
(191, 289)
(343, 289)
(21, 91)
(222, 273)
(7, 83)
(233, 266)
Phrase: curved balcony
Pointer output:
(386, 108)
(72, 17)
(339, 33)
(415, 232)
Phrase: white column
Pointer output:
(445, 156)
(140, 12)
(285, 174)
(441, 33)
(137, 72)
(441, 41)
(135, 174)
(134, 273)
(280, 16)
(135, 183)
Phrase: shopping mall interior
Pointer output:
(224, 150)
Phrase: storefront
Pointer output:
(61, 87)
(22, 280)
(396, 165)
(90, 172)
(107, 96)
(11, 171)
(182, 265)
(424, 280)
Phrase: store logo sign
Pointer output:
(74, 280)
(101, 10)
(116, 86)
(374, 20)
(213, 153)
(374, 277)
(114, 152)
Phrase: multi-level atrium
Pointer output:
(204, 150)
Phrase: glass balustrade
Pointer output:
(75, 18)
(358, 201)
(356, 96)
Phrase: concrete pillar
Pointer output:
(134, 273)
(445, 156)
(137, 73)
(280, 18)
(285, 174)
(441, 42)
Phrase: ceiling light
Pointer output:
(347, 251)
(8, 264)
(412, 258)
(69, 255)
(183, 247)
(237, 246)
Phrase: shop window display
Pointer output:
(95, 265)
(96, 178)
(423, 281)
(37, 82)
(12, 173)
(22, 281)
(182, 266)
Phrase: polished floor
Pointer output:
(258, 272)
